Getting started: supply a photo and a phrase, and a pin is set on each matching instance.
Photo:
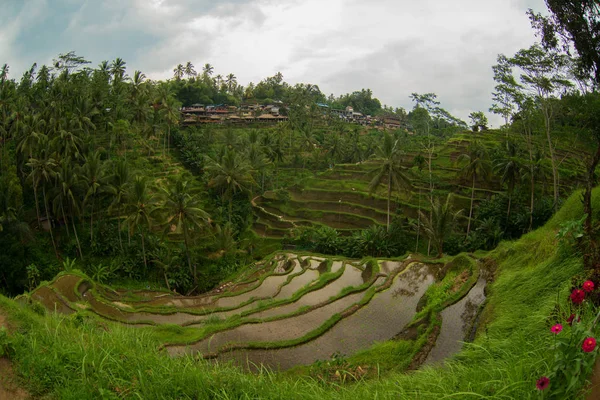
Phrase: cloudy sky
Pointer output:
(394, 47)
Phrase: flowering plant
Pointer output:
(575, 347)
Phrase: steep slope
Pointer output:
(87, 357)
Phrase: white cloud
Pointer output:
(394, 47)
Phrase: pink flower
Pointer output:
(542, 383)
(577, 296)
(556, 329)
(589, 344)
(588, 286)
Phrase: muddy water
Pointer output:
(385, 315)
(50, 300)
(297, 283)
(269, 287)
(65, 285)
(456, 321)
(284, 329)
(350, 277)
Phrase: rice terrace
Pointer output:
(190, 233)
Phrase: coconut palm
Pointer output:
(43, 171)
(389, 171)
(440, 223)
(117, 69)
(93, 178)
(229, 175)
(475, 165)
(178, 71)
(181, 212)
(138, 210)
(231, 81)
(118, 190)
(189, 70)
(508, 166)
(208, 69)
(66, 194)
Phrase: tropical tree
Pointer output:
(117, 188)
(389, 171)
(440, 223)
(574, 24)
(544, 75)
(231, 82)
(474, 165)
(230, 175)
(43, 171)
(509, 167)
(189, 70)
(208, 69)
(138, 209)
(178, 71)
(181, 212)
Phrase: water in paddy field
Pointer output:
(381, 319)
(457, 321)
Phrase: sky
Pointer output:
(393, 47)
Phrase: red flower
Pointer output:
(589, 344)
(570, 319)
(556, 329)
(542, 383)
(577, 296)
(588, 286)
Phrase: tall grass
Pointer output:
(82, 358)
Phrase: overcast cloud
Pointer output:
(394, 47)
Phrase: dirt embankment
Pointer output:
(9, 390)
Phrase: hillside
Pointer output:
(339, 196)
(85, 354)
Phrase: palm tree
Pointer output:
(189, 70)
(178, 71)
(508, 166)
(166, 260)
(68, 182)
(441, 222)
(219, 80)
(231, 81)
(118, 189)
(389, 171)
(117, 69)
(92, 175)
(475, 164)
(181, 212)
(230, 175)
(208, 69)
(138, 209)
(43, 170)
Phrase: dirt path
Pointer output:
(9, 390)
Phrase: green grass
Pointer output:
(81, 358)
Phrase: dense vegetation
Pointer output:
(97, 174)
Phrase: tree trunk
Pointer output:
(119, 229)
(388, 198)
(76, 237)
(144, 249)
(552, 160)
(49, 221)
(590, 258)
(37, 205)
(532, 199)
(92, 222)
(187, 253)
(471, 208)
(418, 223)
(166, 280)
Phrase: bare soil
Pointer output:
(9, 389)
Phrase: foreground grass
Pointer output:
(81, 358)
